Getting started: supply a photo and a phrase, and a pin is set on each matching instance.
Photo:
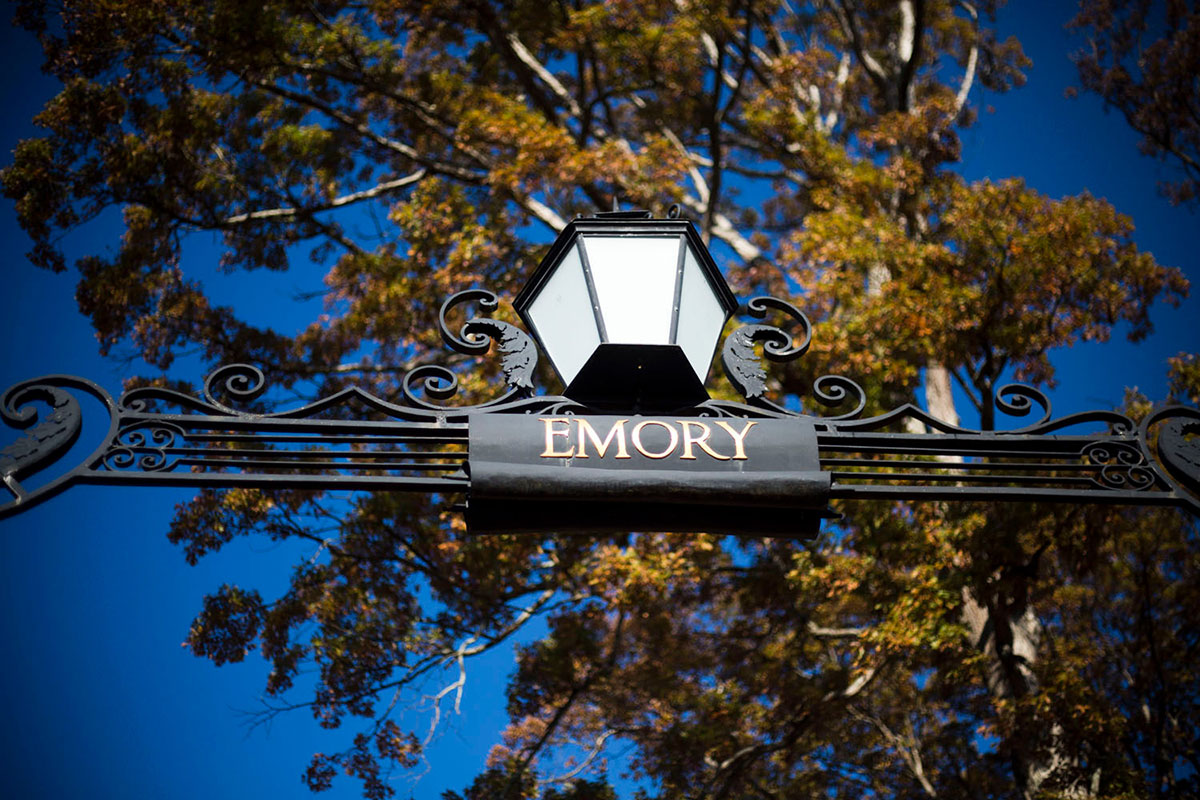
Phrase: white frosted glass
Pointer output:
(562, 314)
(635, 285)
(701, 317)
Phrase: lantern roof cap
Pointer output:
(630, 224)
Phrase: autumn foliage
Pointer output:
(1141, 57)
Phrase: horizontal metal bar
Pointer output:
(262, 463)
(452, 438)
(962, 449)
(400, 483)
(968, 465)
(980, 444)
(456, 430)
(867, 437)
(969, 478)
(864, 491)
(218, 452)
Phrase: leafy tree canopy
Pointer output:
(419, 148)
(1142, 57)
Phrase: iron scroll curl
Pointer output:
(742, 366)
(475, 337)
(45, 441)
(143, 446)
(49, 440)
(1018, 399)
(746, 372)
(1177, 448)
(241, 382)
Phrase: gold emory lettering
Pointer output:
(586, 432)
(701, 441)
(551, 432)
(695, 435)
(739, 439)
(637, 438)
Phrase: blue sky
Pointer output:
(100, 699)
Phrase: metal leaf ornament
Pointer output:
(1179, 447)
(742, 365)
(57, 431)
(519, 351)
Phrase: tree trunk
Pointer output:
(1007, 630)
(938, 398)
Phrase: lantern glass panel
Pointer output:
(563, 317)
(701, 317)
(635, 285)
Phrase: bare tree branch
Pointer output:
(845, 18)
(964, 89)
(522, 53)
(724, 230)
(906, 747)
(337, 202)
(543, 212)
(364, 130)
(834, 633)
(596, 749)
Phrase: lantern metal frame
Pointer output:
(637, 376)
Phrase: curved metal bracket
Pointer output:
(742, 365)
(747, 374)
(477, 334)
(48, 440)
(45, 441)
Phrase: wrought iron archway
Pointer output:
(157, 436)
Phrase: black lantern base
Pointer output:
(637, 378)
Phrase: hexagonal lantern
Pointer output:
(629, 310)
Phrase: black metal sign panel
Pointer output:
(590, 473)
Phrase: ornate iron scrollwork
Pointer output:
(749, 377)
(1120, 466)
(1036, 461)
(243, 383)
(143, 446)
(742, 366)
(45, 441)
(1179, 444)
(419, 443)
(519, 352)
